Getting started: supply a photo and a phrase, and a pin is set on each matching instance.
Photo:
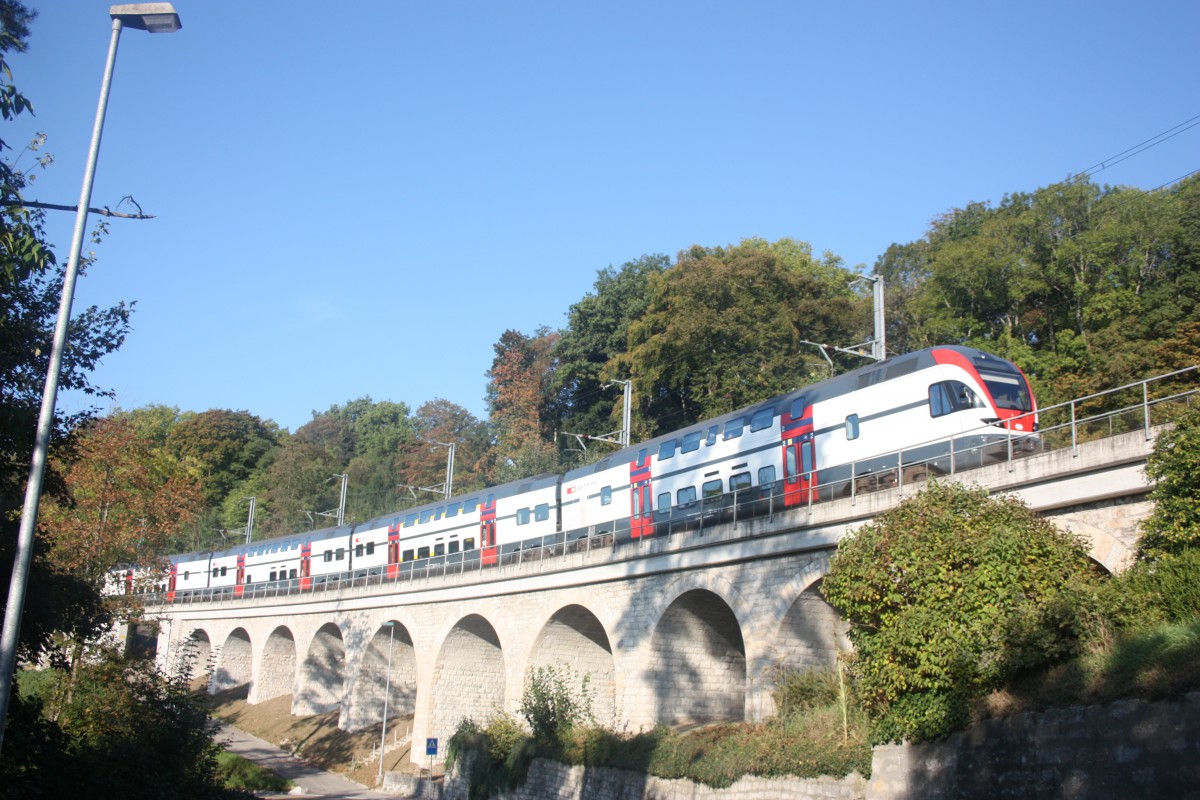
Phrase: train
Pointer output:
(903, 419)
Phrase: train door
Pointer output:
(306, 566)
(172, 577)
(641, 508)
(393, 554)
(487, 531)
(240, 586)
(799, 455)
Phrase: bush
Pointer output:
(1154, 592)
(238, 773)
(551, 707)
(1174, 466)
(949, 595)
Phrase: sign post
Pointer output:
(431, 747)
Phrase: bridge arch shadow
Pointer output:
(235, 662)
(468, 676)
(365, 700)
(575, 638)
(322, 676)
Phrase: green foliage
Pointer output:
(114, 725)
(1174, 466)
(490, 759)
(552, 706)
(1154, 592)
(948, 596)
(724, 328)
(236, 772)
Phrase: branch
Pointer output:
(106, 211)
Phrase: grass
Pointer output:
(240, 773)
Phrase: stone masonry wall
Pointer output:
(1129, 749)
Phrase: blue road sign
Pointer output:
(431, 747)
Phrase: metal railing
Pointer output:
(715, 518)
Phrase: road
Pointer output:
(315, 782)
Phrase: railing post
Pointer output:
(1074, 434)
(1146, 407)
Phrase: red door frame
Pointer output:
(306, 566)
(172, 575)
(799, 485)
(240, 587)
(487, 531)
(393, 554)
(641, 508)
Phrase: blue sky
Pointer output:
(359, 202)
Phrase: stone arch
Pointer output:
(468, 676)
(235, 662)
(697, 661)
(322, 676)
(573, 637)
(811, 633)
(194, 659)
(277, 667)
(392, 644)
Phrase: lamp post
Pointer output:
(387, 689)
(155, 18)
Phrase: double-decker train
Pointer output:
(924, 413)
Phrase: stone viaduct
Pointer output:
(693, 627)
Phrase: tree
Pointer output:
(1174, 467)
(520, 401)
(724, 328)
(950, 594)
(126, 499)
(597, 332)
(222, 447)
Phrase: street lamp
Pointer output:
(155, 18)
(387, 689)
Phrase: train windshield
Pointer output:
(1009, 391)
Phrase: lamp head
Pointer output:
(152, 17)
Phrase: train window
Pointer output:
(224, 571)
(522, 516)
(798, 407)
(452, 509)
(641, 459)
(340, 555)
(469, 543)
(739, 482)
(851, 427)
(441, 512)
(733, 428)
(439, 549)
(1007, 390)
(370, 548)
(454, 546)
(685, 496)
(291, 574)
(711, 437)
(766, 475)
(541, 512)
(947, 397)
(713, 488)
(410, 520)
(666, 450)
(691, 442)
(606, 496)
(806, 457)
(664, 501)
(762, 420)
(422, 552)
(789, 464)
(470, 506)
(216, 572)
(408, 555)
(272, 576)
(426, 516)
(358, 550)
(186, 574)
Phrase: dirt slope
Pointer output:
(316, 739)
